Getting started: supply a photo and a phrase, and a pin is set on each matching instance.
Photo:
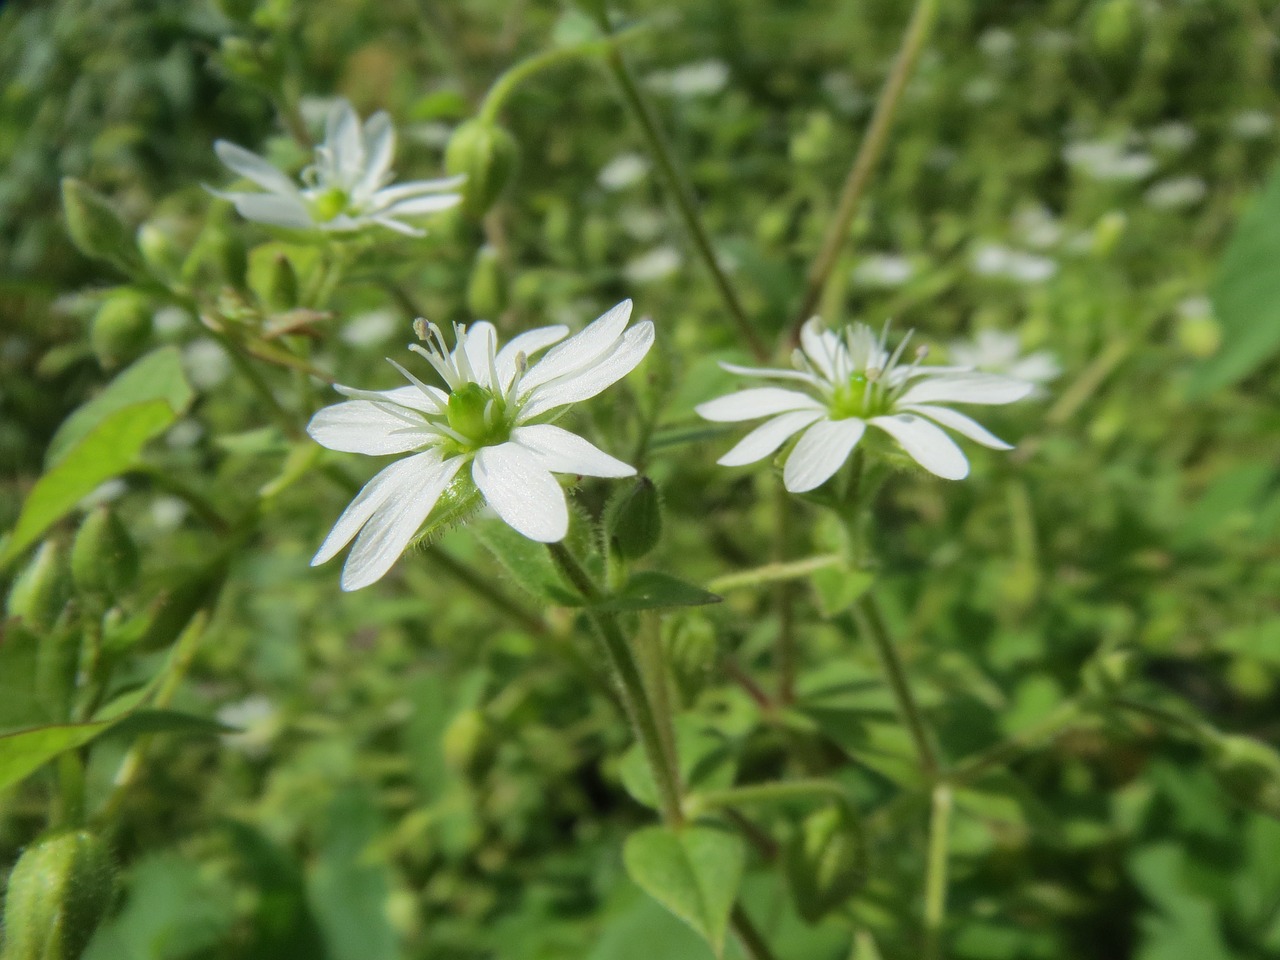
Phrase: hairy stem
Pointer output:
(935, 881)
(864, 162)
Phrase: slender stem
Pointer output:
(260, 386)
(678, 184)
(773, 572)
(653, 667)
(634, 696)
(871, 625)
(487, 590)
(865, 161)
(778, 792)
(784, 599)
(750, 939)
(68, 802)
(935, 880)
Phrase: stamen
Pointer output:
(420, 329)
(893, 360)
(440, 364)
(411, 378)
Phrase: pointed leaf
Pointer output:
(650, 590)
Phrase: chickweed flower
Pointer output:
(492, 415)
(995, 351)
(851, 380)
(347, 186)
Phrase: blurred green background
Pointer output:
(420, 777)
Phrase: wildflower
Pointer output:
(883, 270)
(1107, 160)
(346, 188)
(1175, 193)
(851, 381)
(994, 351)
(994, 260)
(493, 415)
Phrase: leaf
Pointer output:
(1246, 297)
(707, 762)
(650, 590)
(24, 752)
(528, 563)
(157, 376)
(838, 587)
(108, 450)
(20, 701)
(693, 872)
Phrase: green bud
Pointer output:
(487, 288)
(104, 559)
(59, 892)
(466, 411)
(1114, 28)
(1108, 231)
(121, 329)
(159, 251)
(1247, 769)
(633, 519)
(469, 744)
(96, 228)
(487, 155)
(41, 590)
(282, 285)
(1108, 672)
(825, 861)
(1199, 336)
(692, 651)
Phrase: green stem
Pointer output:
(784, 598)
(871, 625)
(773, 572)
(865, 161)
(935, 881)
(779, 792)
(678, 184)
(68, 806)
(631, 684)
(750, 939)
(260, 386)
(653, 668)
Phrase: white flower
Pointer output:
(624, 170)
(882, 270)
(994, 260)
(493, 415)
(1107, 160)
(994, 351)
(693, 79)
(852, 380)
(1175, 193)
(346, 188)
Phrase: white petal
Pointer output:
(397, 226)
(563, 452)
(822, 449)
(600, 374)
(359, 426)
(479, 346)
(768, 437)
(756, 402)
(927, 444)
(522, 491)
(411, 396)
(272, 209)
(375, 493)
(580, 350)
(772, 373)
(967, 388)
(395, 522)
(417, 206)
(965, 426)
(253, 167)
(380, 147)
(818, 346)
(345, 141)
(527, 343)
(416, 188)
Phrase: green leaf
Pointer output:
(707, 762)
(650, 590)
(838, 587)
(1246, 297)
(528, 563)
(693, 872)
(24, 752)
(157, 376)
(20, 700)
(108, 450)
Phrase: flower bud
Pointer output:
(95, 227)
(120, 330)
(1199, 336)
(159, 251)
(469, 744)
(104, 559)
(1248, 770)
(59, 892)
(825, 861)
(487, 155)
(282, 285)
(692, 651)
(633, 519)
(487, 288)
(41, 590)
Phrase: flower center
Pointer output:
(329, 204)
(476, 414)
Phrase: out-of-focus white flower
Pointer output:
(995, 351)
(1171, 137)
(493, 416)
(624, 170)
(844, 93)
(345, 188)
(1252, 124)
(205, 363)
(257, 720)
(851, 380)
(184, 434)
(167, 513)
(658, 263)
(370, 329)
(882, 270)
(1175, 193)
(981, 90)
(171, 319)
(104, 493)
(693, 79)
(997, 43)
(994, 260)
(1037, 227)
(1108, 160)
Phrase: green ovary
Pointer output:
(853, 399)
(477, 415)
(329, 204)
